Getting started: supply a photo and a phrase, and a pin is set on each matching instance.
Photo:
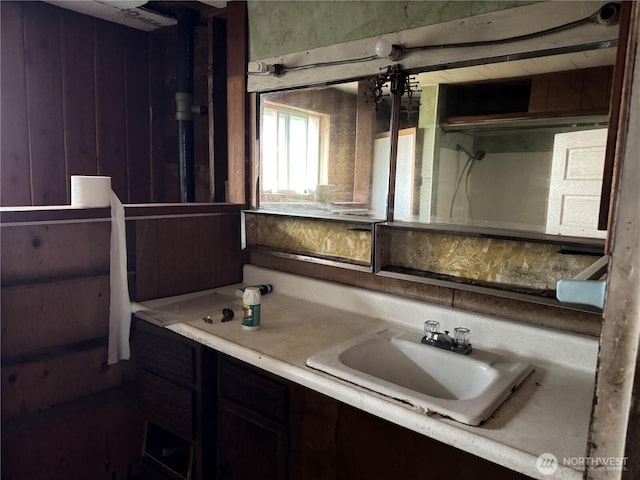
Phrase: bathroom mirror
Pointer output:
(325, 151)
(516, 145)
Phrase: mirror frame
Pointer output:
(323, 76)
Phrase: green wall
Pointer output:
(281, 27)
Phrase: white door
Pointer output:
(380, 185)
(403, 201)
(403, 206)
(576, 180)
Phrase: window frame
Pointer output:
(324, 121)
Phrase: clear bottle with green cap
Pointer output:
(251, 305)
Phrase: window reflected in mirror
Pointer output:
(517, 145)
(319, 151)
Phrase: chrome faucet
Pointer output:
(435, 338)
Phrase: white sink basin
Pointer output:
(393, 362)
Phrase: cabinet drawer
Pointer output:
(166, 404)
(253, 391)
(165, 357)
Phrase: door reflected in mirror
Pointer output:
(319, 153)
(514, 145)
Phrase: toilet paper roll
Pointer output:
(90, 191)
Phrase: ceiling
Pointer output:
(140, 14)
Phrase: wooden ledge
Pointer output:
(56, 213)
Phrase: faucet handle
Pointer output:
(431, 326)
(461, 336)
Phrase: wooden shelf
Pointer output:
(575, 95)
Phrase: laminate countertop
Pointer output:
(548, 414)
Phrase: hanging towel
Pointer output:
(92, 191)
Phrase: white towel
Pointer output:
(120, 304)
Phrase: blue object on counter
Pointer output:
(585, 292)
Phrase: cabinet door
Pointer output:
(249, 446)
(371, 448)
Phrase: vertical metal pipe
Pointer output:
(184, 101)
(397, 89)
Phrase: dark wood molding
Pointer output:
(617, 110)
(56, 213)
(237, 116)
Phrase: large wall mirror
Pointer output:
(325, 151)
(515, 145)
(484, 170)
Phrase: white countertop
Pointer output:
(548, 414)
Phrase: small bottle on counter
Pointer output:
(251, 306)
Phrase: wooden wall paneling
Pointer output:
(596, 90)
(163, 60)
(15, 187)
(44, 315)
(44, 103)
(44, 252)
(78, 88)
(99, 438)
(218, 107)
(136, 64)
(539, 93)
(211, 109)
(207, 267)
(177, 256)
(45, 382)
(64, 106)
(229, 257)
(146, 259)
(201, 75)
(237, 101)
(180, 255)
(110, 106)
(130, 245)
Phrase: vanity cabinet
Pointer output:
(210, 416)
(252, 423)
(176, 394)
(271, 428)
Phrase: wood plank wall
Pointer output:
(237, 105)
(74, 101)
(187, 254)
(163, 54)
(88, 97)
(59, 396)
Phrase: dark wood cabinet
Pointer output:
(252, 423)
(574, 93)
(370, 447)
(270, 428)
(249, 445)
(577, 92)
(176, 392)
